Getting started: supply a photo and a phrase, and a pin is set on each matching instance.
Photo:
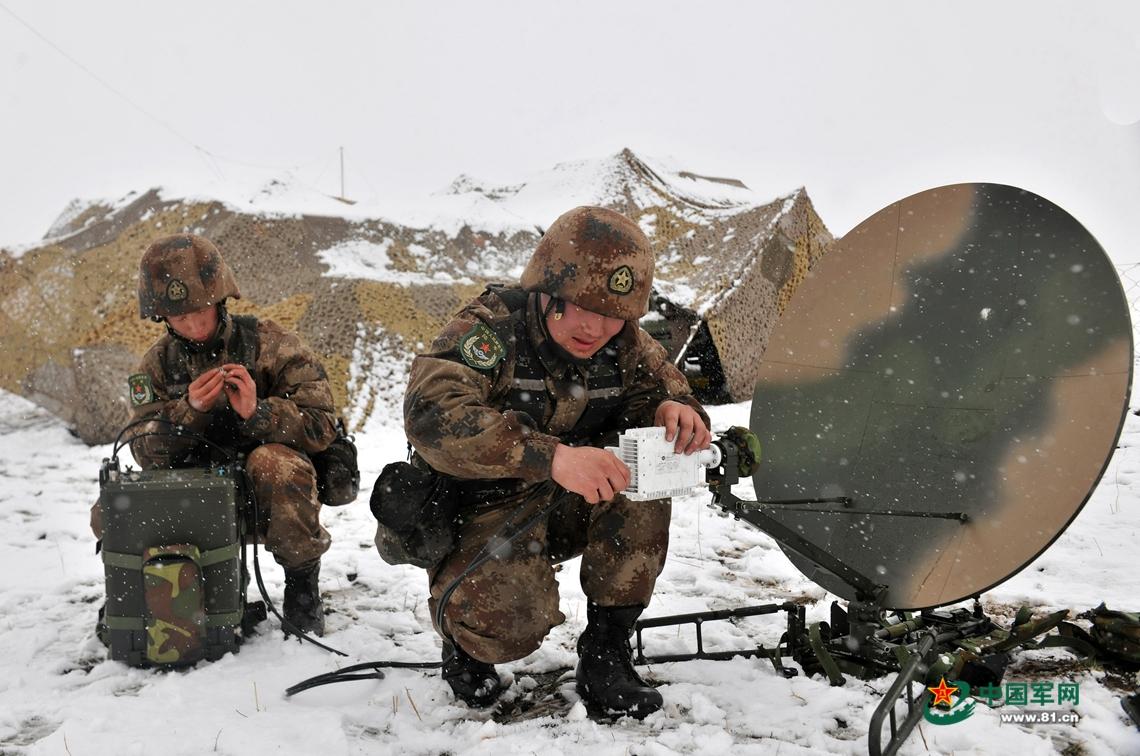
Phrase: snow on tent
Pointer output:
(368, 292)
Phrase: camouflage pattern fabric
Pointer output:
(183, 273)
(285, 478)
(461, 422)
(597, 259)
(175, 605)
(294, 418)
(504, 609)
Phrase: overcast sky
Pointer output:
(862, 103)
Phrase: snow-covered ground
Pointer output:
(59, 694)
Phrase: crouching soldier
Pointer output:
(515, 400)
(248, 386)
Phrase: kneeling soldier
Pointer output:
(515, 400)
(248, 386)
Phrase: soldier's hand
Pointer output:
(684, 426)
(240, 389)
(205, 390)
(594, 474)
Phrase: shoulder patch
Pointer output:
(141, 390)
(481, 348)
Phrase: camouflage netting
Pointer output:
(725, 276)
(71, 333)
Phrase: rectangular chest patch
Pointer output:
(141, 390)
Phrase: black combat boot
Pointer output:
(303, 600)
(474, 682)
(605, 674)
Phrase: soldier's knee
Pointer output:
(505, 641)
(276, 461)
(265, 458)
(501, 630)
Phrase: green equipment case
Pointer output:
(173, 563)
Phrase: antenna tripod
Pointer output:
(861, 641)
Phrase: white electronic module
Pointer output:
(655, 470)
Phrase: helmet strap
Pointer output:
(556, 304)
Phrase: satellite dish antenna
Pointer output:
(936, 405)
(943, 393)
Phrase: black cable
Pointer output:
(177, 431)
(347, 673)
(286, 625)
(486, 553)
(227, 453)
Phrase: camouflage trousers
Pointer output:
(285, 485)
(503, 610)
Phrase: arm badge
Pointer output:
(481, 348)
(141, 390)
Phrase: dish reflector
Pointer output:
(965, 350)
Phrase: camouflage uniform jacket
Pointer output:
(294, 400)
(494, 396)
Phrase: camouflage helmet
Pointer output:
(181, 274)
(597, 259)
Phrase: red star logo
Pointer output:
(942, 693)
(484, 347)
